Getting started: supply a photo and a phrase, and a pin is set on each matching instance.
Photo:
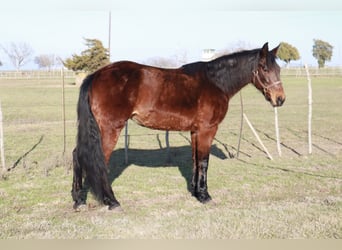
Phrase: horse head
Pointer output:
(266, 76)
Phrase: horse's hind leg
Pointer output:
(109, 136)
(76, 191)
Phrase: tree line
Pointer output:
(19, 54)
(96, 55)
(321, 50)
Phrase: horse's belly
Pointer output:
(162, 120)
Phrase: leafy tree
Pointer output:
(91, 59)
(287, 53)
(19, 54)
(322, 51)
(45, 61)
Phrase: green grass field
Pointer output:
(294, 196)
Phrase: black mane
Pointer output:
(192, 68)
(230, 71)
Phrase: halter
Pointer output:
(264, 86)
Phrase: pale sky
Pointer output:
(155, 28)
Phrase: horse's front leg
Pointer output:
(201, 189)
(201, 142)
(194, 161)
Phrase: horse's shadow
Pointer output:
(176, 157)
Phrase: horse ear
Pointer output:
(264, 51)
(275, 50)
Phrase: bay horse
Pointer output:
(191, 98)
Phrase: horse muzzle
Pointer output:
(276, 100)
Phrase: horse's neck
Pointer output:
(231, 73)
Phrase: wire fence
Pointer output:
(314, 71)
(37, 74)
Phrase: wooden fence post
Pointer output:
(310, 108)
(241, 125)
(277, 130)
(63, 111)
(2, 150)
(126, 142)
(168, 157)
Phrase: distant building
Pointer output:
(208, 54)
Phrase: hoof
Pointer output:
(112, 204)
(78, 203)
(115, 208)
(203, 197)
(80, 207)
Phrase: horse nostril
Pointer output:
(280, 100)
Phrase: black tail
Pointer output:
(89, 151)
